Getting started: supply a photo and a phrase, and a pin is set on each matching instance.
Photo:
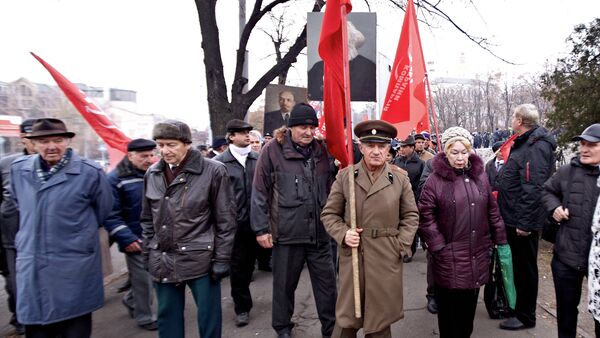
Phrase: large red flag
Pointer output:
(333, 49)
(405, 105)
(506, 146)
(114, 138)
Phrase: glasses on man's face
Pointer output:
(53, 140)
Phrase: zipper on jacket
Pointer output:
(527, 172)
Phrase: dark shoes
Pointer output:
(432, 305)
(284, 335)
(242, 319)
(153, 326)
(407, 259)
(125, 286)
(19, 329)
(513, 324)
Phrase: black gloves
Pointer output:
(219, 271)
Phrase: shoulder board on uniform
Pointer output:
(398, 170)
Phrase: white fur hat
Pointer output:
(457, 133)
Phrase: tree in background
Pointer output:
(573, 86)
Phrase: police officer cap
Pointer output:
(590, 134)
(375, 131)
(27, 126)
(237, 125)
(141, 144)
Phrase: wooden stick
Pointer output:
(355, 274)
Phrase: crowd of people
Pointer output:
(197, 215)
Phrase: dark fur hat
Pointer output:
(172, 130)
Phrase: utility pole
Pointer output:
(242, 21)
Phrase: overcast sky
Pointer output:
(153, 46)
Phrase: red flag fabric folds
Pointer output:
(331, 50)
(506, 146)
(114, 138)
(405, 104)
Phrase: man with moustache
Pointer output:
(291, 184)
(123, 226)
(240, 161)
(279, 118)
(387, 219)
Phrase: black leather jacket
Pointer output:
(190, 223)
(241, 182)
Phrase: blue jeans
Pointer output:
(171, 305)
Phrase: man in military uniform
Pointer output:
(386, 224)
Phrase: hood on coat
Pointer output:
(442, 168)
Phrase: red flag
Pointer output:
(97, 119)
(505, 147)
(333, 49)
(405, 105)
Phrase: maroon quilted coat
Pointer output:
(459, 222)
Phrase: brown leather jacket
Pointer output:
(190, 223)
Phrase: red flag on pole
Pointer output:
(405, 105)
(97, 119)
(333, 49)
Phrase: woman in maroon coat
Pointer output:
(459, 223)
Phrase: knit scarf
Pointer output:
(240, 153)
(44, 175)
(594, 265)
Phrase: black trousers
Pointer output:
(456, 311)
(567, 286)
(288, 261)
(524, 252)
(244, 253)
(78, 327)
(430, 283)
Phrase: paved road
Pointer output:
(112, 320)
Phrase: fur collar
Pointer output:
(442, 168)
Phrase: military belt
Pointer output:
(381, 232)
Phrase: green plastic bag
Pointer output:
(506, 265)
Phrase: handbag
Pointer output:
(494, 295)
(551, 226)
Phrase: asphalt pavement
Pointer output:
(113, 321)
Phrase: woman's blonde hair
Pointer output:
(451, 142)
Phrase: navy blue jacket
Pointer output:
(123, 224)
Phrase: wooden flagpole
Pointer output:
(435, 124)
(352, 197)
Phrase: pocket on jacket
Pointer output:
(443, 266)
(289, 189)
(193, 259)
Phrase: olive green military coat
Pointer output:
(387, 212)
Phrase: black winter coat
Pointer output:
(9, 217)
(414, 166)
(459, 223)
(492, 173)
(241, 183)
(190, 223)
(574, 236)
(290, 191)
(520, 182)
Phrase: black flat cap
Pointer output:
(267, 134)
(419, 137)
(218, 141)
(408, 141)
(377, 131)
(590, 134)
(26, 126)
(237, 125)
(141, 144)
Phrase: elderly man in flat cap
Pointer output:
(188, 228)
(62, 199)
(9, 224)
(387, 219)
(291, 183)
(240, 161)
(123, 226)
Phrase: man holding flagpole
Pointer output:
(387, 221)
